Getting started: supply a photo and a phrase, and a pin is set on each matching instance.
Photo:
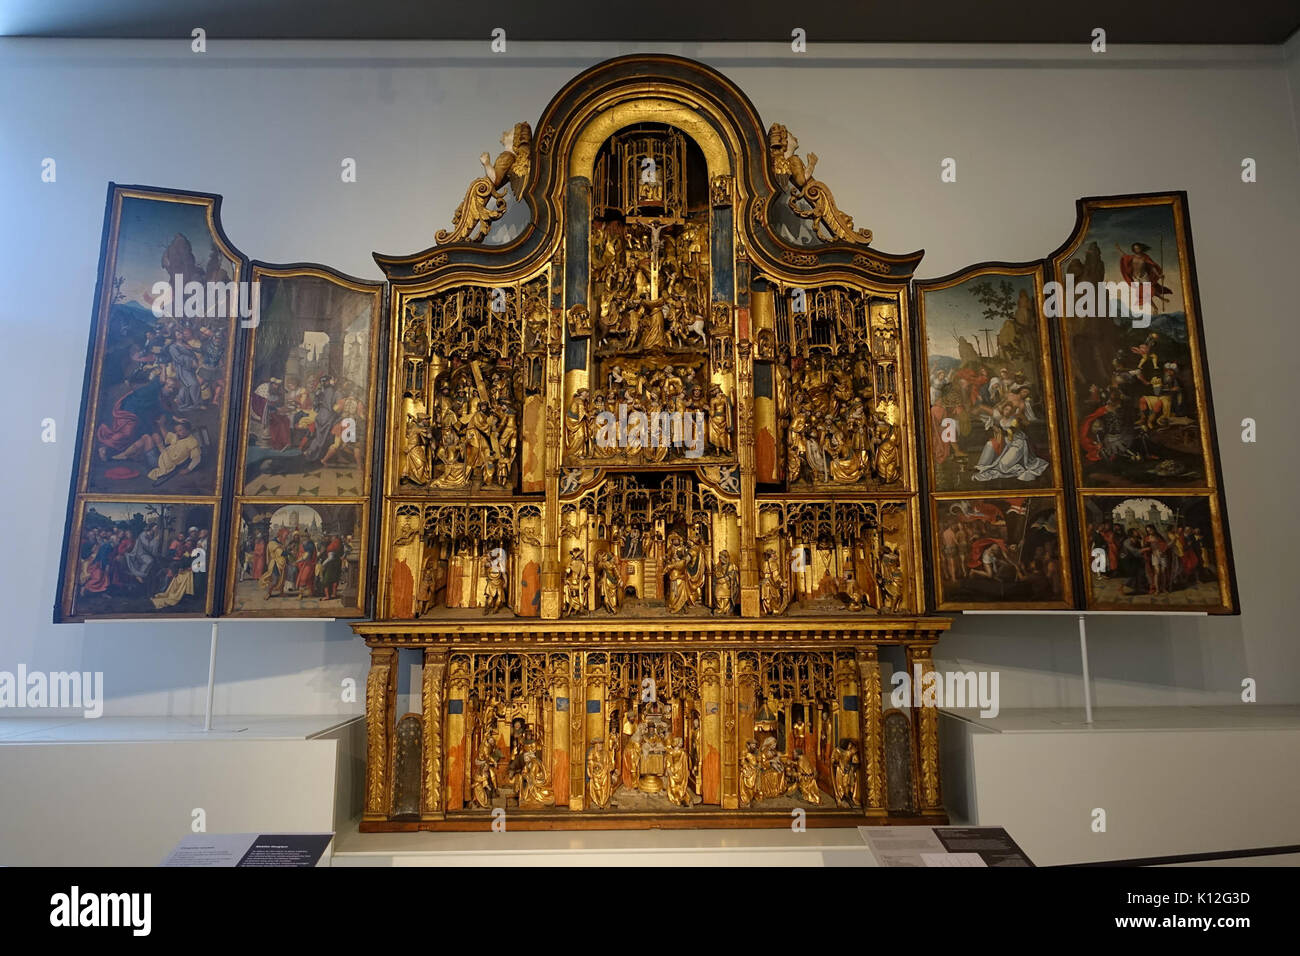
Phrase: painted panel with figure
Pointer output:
(139, 559)
(991, 422)
(299, 559)
(1131, 339)
(1155, 552)
(307, 419)
(161, 365)
(1006, 552)
(156, 406)
(1140, 412)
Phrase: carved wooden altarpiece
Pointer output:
(651, 513)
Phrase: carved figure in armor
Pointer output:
(494, 576)
(600, 766)
(678, 767)
(773, 595)
(892, 586)
(609, 582)
(845, 767)
(489, 754)
(575, 584)
(749, 774)
(726, 585)
(427, 598)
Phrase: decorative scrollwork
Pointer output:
(485, 199)
(809, 198)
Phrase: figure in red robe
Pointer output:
(1137, 266)
(306, 569)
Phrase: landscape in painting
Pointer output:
(297, 558)
(1152, 552)
(136, 558)
(163, 380)
(309, 414)
(1136, 422)
(999, 550)
(988, 417)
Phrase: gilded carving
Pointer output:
(377, 715)
(807, 197)
(485, 200)
(704, 497)
(432, 703)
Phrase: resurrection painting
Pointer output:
(160, 391)
(1154, 552)
(307, 420)
(1000, 551)
(293, 558)
(1137, 399)
(139, 559)
(991, 409)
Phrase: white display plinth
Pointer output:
(1171, 780)
(123, 791)
(816, 846)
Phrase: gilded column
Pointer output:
(554, 430)
(749, 589)
(746, 700)
(455, 732)
(925, 717)
(871, 721)
(577, 737)
(730, 727)
(711, 727)
(561, 761)
(596, 724)
(432, 691)
(381, 701)
(846, 693)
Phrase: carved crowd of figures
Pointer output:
(651, 289)
(835, 434)
(690, 579)
(469, 437)
(647, 414)
(517, 771)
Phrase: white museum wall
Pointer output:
(1032, 129)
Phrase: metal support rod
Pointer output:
(212, 676)
(1087, 679)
